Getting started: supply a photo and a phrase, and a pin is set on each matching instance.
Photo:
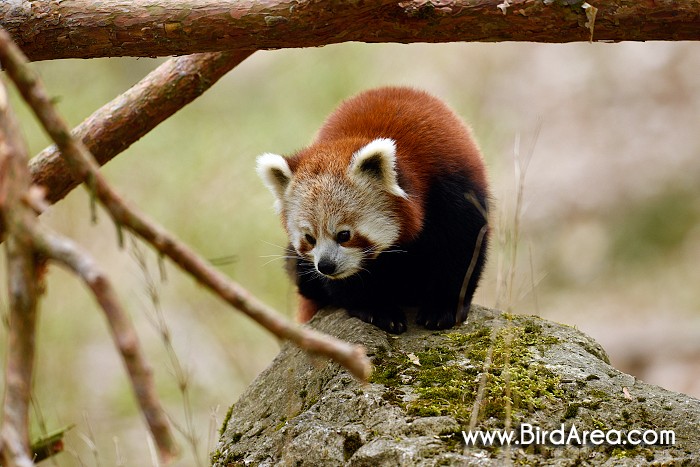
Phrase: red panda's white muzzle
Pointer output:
(335, 261)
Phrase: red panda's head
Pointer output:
(337, 204)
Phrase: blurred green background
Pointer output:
(608, 237)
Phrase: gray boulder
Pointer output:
(549, 384)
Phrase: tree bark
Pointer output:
(118, 124)
(146, 28)
(23, 283)
(29, 246)
(84, 167)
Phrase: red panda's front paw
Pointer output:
(436, 319)
(392, 321)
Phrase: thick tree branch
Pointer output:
(84, 166)
(121, 122)
(118, 124)
(146, 28)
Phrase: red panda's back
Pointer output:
(430, 137)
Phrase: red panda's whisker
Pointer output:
(276, 258)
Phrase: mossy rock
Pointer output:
(495, 372)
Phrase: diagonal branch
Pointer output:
(123, 121)
(84, 166)
(147, 28)
(119, 123)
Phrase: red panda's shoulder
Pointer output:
(431, 138)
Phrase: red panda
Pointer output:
(385, 210)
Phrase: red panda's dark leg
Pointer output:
(453, 244)
(444, 314)
(390, 319)
(449, 303)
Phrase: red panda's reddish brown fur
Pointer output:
(444, 144)
(385, 210)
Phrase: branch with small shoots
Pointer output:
(84, 167)
(72, 256)
(29, 247)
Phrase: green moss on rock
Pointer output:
(425, 389)
(446, 378)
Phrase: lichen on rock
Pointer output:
(497, 371)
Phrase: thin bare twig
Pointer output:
(483, 210)
(72, 256)
(41, 243)
(483, 379)
(83, 165)
(521, 165)
(160, 325)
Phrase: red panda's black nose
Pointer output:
(326, 266)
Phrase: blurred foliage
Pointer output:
(647, 231)
(619, 126)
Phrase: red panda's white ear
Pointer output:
(276, 174)
(376, 162)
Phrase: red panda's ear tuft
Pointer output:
(276, 174)
(376, 163)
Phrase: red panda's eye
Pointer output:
(310, 239)
(342, 236)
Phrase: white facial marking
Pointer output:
(325, 205)
(276, 174)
